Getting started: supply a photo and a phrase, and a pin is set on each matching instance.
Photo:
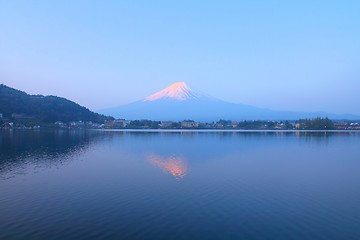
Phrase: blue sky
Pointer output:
(290, 55)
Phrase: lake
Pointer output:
(179, 185)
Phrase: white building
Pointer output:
(189, 124)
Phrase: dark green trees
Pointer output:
(19, 106)
(316, 124)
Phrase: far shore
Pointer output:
(226, 130)
(184, 130)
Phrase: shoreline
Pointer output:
(226, 130)
(185, 130)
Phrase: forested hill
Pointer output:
(43, 109)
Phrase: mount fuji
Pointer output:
(179, 102)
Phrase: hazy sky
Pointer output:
(291, 55)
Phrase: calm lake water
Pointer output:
(179, 185)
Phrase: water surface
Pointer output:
(179, 185)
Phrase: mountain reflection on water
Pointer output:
(174, 165)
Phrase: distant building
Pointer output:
(189, 124)
(8, 125)
(280, 126)
(60, 124)
(120, 123)
(166, 124)
(218, 125)
(234, 124)
(341, 125)
(80, 124)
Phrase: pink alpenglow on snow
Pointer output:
(177, 91)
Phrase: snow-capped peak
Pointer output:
(177, 91)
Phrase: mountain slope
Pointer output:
(43, 109)
(179, 102)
